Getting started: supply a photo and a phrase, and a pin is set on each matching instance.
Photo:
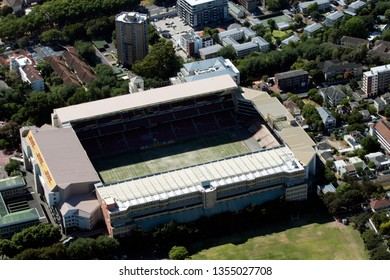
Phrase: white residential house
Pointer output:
(327, 118)
(32, 76)
(312, 29)
(323, 5)
(381, 161)
(333, 17)
(332, 95)
(354, 7)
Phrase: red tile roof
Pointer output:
(383, 128)
(62, 70)
(32, 73)
(81, 69)
(380, 204)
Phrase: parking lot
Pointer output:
(171, 25)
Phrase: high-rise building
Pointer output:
(199, 13)
(131, 37)
(377, 80)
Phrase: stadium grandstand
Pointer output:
(180, 152)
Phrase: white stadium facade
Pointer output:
(279, 160)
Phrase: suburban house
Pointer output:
(292, 38)
(332, 95)
(31, 75)
(333, 17)
(323, 5)
(353, 41)
(328, 120)
(312, 29)
(62, 71)
(381, 161)
(292, 107)
(345, 168)
(16, 5)
(381, 49)
(381, 102)
(354, 7)
(80, 68)
(366, 115)
(379, 204)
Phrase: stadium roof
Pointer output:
(143, 99)
(189, 180)
(65, 157)
(10, 183)
(293, 136)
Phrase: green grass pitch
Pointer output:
(159, 159)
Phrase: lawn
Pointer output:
(194, 151)
(327, 241)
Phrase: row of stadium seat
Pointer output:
(163, 133)
(182, 109)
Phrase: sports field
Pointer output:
(278, 19)
(328, 241)
(159, 159)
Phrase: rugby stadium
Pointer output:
(174, 153)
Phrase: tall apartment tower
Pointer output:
(377, 80)
(131, 37)
(200, 13)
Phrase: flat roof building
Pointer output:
(62, 171)
(208, 68)
(290, 80)
(200, 13)
(377, 80)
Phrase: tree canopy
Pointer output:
(161, 62)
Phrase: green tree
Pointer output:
(355, 117)
(85, 50)
(73, 32)
(387, 112)
(153, 35)
(228, 52)
(371, 239)
(82, 249)
(161, 62)
(51, 36)
(178, 253)
(106, 247)
(259, 29)
(355, 27)
(272, 24)
(385, 228)
(7, 248)
(40, 105)
(332, 202)
(41, 235)
(312, 8)
(370, 144)
(11, 166)
(54, 252)
(6, 10)
(23, 42)
(273, 5)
